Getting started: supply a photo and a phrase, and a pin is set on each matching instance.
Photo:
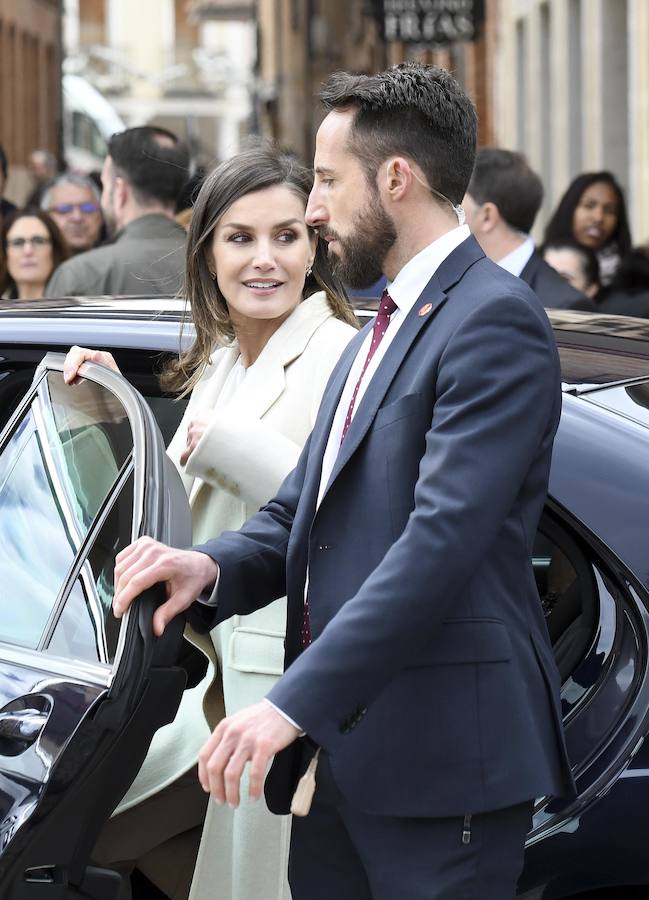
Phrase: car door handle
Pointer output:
(22, 725)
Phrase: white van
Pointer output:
(88, 122)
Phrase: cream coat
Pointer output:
(250, 446)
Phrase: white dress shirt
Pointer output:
(516, 261)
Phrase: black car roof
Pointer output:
(594, 349)
(600, 349)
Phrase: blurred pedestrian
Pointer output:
(31, 247)
(142, 177)
(501, 204)
(576, 263)
(593, 213)
(43, 167)
(629, 291)
(73, 201)
(6, 207)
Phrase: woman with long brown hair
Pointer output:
(271, 321)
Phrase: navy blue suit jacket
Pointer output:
(430, 681)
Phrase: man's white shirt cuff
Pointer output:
(284, 716)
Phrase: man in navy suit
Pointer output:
(417, 655)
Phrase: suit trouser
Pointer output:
(339, 852)
(160, 836)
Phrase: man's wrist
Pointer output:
(284, 716)
(210, 574)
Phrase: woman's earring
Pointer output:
(308, 271)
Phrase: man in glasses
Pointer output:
(142, 177)
(73, 202)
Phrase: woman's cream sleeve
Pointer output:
(247, 456)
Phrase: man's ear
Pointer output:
(490, 216)
(397, 177)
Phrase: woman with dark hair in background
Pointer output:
(593, 213)
(271, 321)
(31, 247)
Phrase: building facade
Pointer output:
(30, 84)
(179, 64)
(302, 41)
(564, 81)
(571, 91)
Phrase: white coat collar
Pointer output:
(266, 379)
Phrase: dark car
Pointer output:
(83, 471)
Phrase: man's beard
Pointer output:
(363, 252)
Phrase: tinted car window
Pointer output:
(87, 629)
(36, 543)
(95, 440)
(56, 471)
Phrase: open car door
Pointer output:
(83, 472)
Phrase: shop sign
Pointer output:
(436, 22)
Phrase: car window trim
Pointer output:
(81, 555)
(21, 409)
(119, 386)
(124, 393)
(94, 673)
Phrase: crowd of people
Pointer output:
(146, 179)
(112, 234)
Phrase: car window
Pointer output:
(86, 628)
(95, 440)
(567, 588)
(56, 471)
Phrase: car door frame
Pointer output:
(142, 690)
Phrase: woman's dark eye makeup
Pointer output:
(286, 236)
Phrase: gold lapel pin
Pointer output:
(426, 308)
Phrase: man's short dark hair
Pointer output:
(504, 177)
(411, 110)
(153, 161)
(3, 161)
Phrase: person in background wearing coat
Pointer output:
(592, 212)
(259, 284)
(501, 204)
(143, 174)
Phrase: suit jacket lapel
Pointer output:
(433, 295)
(331, 398)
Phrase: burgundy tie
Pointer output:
(386, 308)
